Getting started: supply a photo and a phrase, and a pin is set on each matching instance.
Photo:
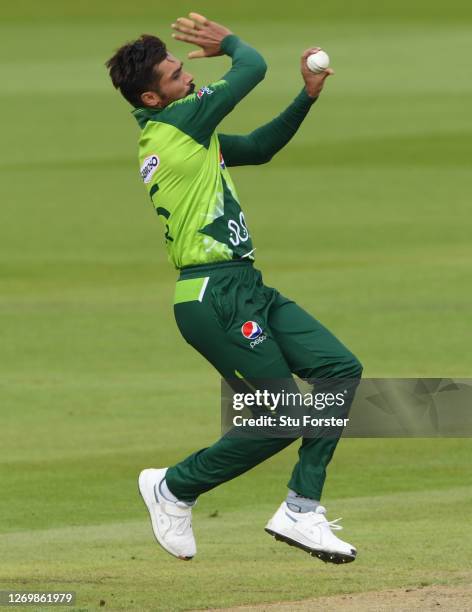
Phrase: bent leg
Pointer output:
(316, 355)
(213, 327)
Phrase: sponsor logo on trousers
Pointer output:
(251, 330)
(258, 341)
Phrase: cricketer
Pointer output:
(244, 328)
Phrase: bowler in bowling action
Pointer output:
(245, 329)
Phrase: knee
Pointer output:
(347, 366)
(351, 367)
(343, 365)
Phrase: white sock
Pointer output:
(166, 492)
(169, 496)
(298, 503)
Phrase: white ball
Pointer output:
(318, 62)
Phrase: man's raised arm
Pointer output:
(262, 144)
(214, 102)
(248, 67)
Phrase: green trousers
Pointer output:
(212, 306)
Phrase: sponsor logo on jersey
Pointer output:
(204, 90)
(150, 165)
(251, 330)
(222, 161)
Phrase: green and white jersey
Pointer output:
(184, 170)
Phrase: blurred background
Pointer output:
(373, 197)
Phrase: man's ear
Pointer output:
(152, 99)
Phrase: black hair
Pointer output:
(132, 67)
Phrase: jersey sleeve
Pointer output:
(262, 144)
(200, 113)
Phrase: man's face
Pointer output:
(174, 84)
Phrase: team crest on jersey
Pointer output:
(204, 90)
(222, 161)
(251, 330)
(150, 165)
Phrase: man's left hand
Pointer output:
(313, 81)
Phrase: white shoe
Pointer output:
(171, 521)
(311, 532)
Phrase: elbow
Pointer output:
(251, 62)
(258, 66)
(263, 157)
(261, 68)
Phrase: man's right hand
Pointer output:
(200, 31)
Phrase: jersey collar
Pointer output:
(143, 115)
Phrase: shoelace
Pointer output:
(331, 525)
(183, 525)
(334, 524)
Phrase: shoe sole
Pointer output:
(141, 486)
(327, 557)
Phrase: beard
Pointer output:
(191, 89)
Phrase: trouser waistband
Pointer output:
(203, 270)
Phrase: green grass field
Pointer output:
(373, 196)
